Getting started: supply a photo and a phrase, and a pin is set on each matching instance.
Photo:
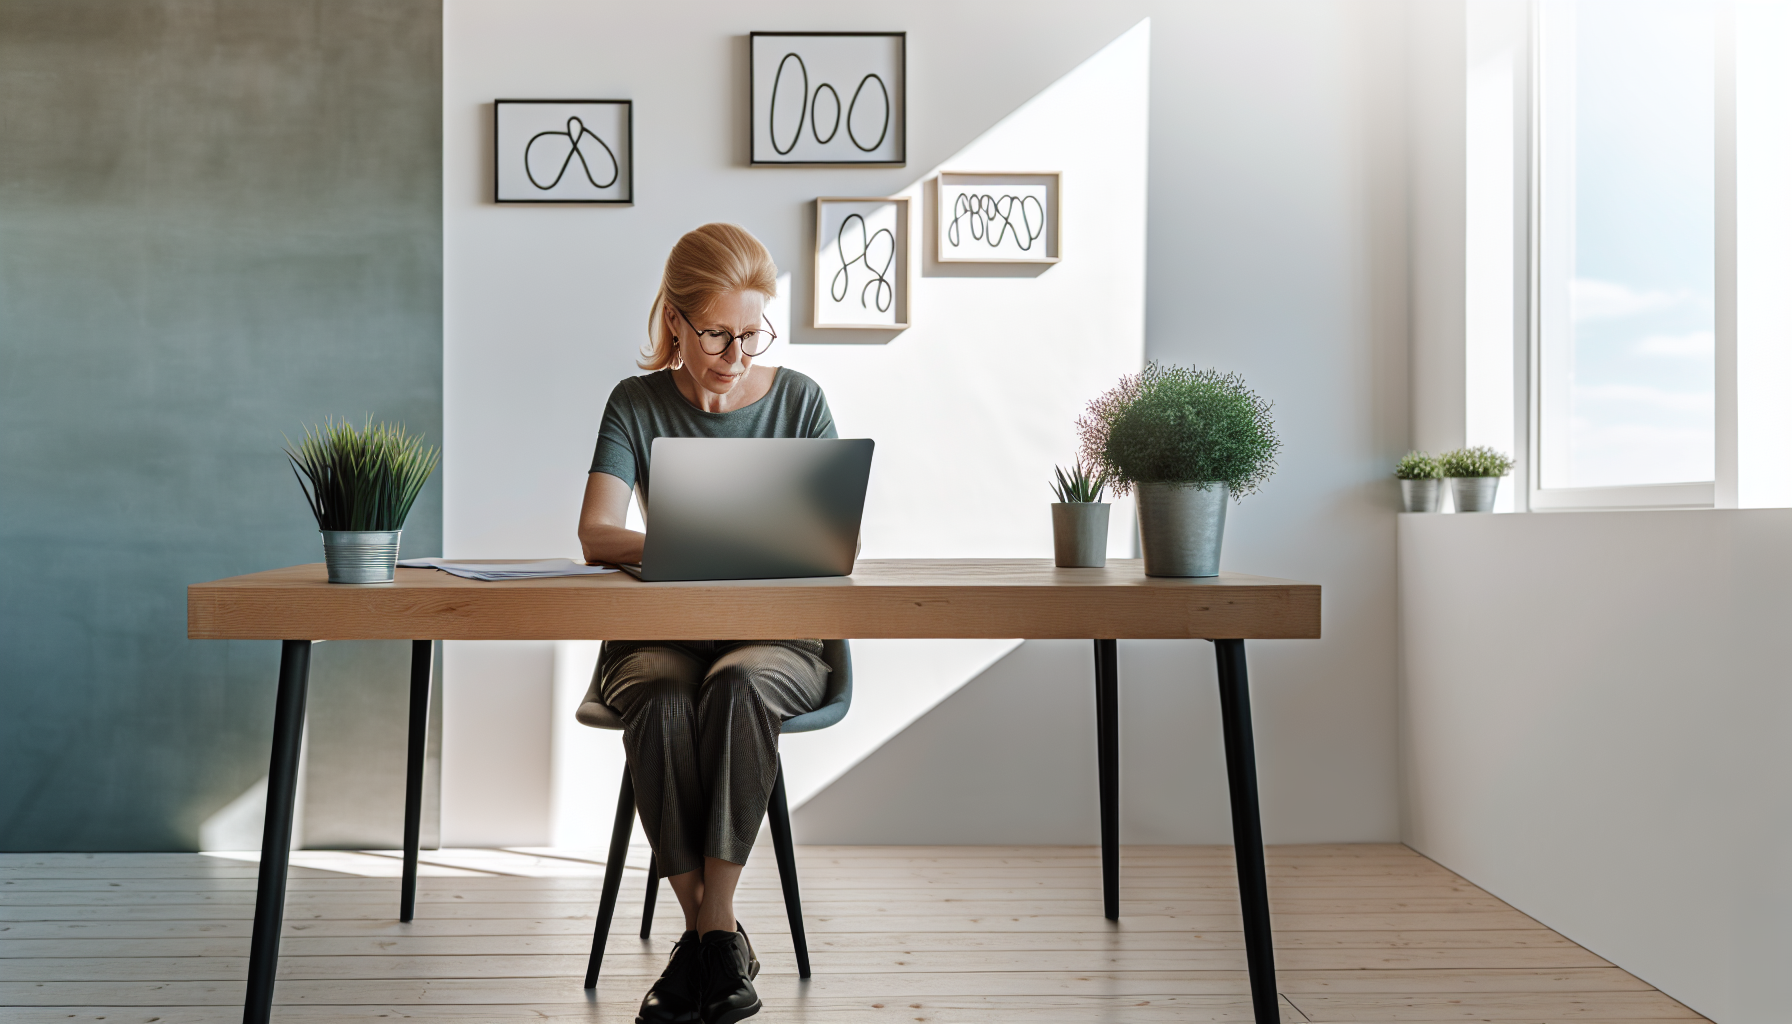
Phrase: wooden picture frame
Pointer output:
(862, 263)
(819, 99)
(563, 151)
(999, 216)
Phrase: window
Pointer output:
(1659, 350)
(1626, 254)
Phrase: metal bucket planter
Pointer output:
(1080, 534)
(360, 556)
(1474, 493)
(1421, 495)
(1181, 527)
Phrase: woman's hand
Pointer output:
(604, 535)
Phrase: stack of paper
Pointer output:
(492, 571)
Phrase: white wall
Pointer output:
(1437, 98)
(546, 308)
(1762, 406)
(1595, 720)
(497, 758)
(1496, 264)
(1278, 250)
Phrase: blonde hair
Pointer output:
(708, 261)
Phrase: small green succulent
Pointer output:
(1477, 461)
(1080, 485)
(1417, 466)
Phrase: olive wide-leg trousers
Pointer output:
(700, 728)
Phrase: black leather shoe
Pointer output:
(752, 957)
(729, 967)
(676, 998)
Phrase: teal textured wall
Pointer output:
(218, 222)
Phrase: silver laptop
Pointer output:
(753, 508)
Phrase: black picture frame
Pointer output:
(898, 152)
(507, 190)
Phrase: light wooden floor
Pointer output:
(898, 934)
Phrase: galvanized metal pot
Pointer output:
(361, 556)
(1080, 534)
(1421, 495)
(1181, 527)
(1474, 493)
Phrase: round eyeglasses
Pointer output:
(715, 342)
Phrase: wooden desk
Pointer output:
(896, 598)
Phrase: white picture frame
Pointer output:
(862, 263)
(563, 151)
(828, 98)
(999, 216)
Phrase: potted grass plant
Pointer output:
(1186, 439)
(1079, 518)
(1475, 476)
(361, 485)
(1421, 482)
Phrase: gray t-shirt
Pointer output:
(649, 406)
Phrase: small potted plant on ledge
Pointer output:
(1186, 439)
(1421, 483)
(360, 485)
(1475, 476)
(1079, 518)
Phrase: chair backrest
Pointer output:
(837, 654)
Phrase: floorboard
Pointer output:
(1370, 933)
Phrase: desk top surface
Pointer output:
(955, 597)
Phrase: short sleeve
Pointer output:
(823, 424)
(615, 452)
(817, 419)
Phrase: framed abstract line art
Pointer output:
(861, 263)
(999, 218)
(564, 151)
(829, 98)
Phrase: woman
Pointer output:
(701, 717)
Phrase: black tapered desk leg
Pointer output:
(422, 661)
(1247, 828)
(276, 832)
(1107, 756)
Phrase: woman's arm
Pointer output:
(604, 535)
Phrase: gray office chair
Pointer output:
(838, 655)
